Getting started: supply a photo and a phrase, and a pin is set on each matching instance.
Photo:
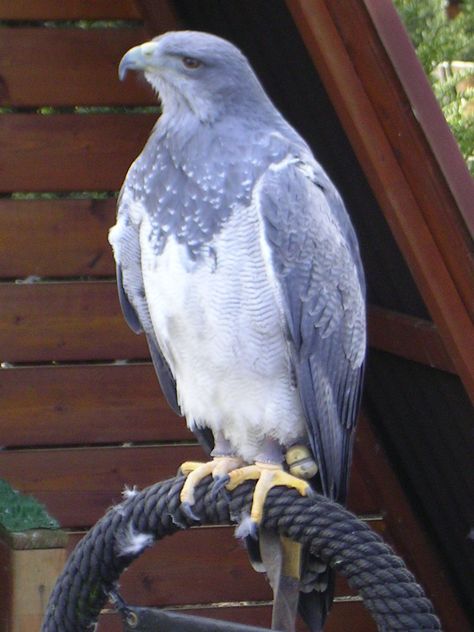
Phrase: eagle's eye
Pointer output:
(191, 63)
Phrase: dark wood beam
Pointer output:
(408, 337)
(403, 528)
(424, 204)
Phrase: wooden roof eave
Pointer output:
(420, 181)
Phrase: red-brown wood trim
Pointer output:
(398, 117)
(409, 337)
(396, 198)
(159, 16)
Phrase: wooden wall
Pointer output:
(81, 414)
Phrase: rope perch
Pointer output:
(338, 537)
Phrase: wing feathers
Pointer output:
(317, 262)
(124, 237)
(128, 310)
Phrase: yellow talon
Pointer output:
(194, 476)
(267, 476)
(189, 466)
(195, 472)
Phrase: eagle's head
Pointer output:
(198, 72)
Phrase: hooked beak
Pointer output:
(137, 58)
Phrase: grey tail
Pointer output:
(314, 606)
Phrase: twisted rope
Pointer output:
(338, 537)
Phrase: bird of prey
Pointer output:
(236, 257)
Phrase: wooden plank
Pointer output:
(56, 238)
(61, 67)
(69, 152)
(82, 321)
(169, 574)
(343, 615)
(409, 337)
(380, 162)
(70, 10)
(404, 530)
(85, 404)
(82, 227)
(64, 322)
(77, 485)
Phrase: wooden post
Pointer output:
(32, 554)
(30, 563)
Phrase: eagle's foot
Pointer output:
(195, 472)
(267, 475)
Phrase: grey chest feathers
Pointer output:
(191, 200)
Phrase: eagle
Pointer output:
(237, 259)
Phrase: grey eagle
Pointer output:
(237, 259)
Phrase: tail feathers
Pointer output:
(316, 588)
(314, 605)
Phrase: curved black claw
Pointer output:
(187, 510)
(177, 520)
(218, 486)
(174, 504)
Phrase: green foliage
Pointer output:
(438, 40)
(454, 106)
(20, 513)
